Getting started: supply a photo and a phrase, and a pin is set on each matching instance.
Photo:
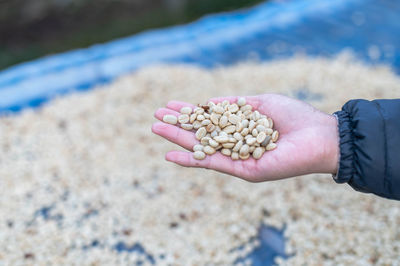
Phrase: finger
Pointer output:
(159, 114)
(183, 138)
(216, 162)
(177, 105)
(252, 100)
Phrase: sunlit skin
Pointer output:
(308, 141)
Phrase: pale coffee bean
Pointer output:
(246, 108)
(232, 139)
(228, 145)
(198, 110)
(252, 125)
(244, 157)
(251, 141)
(210, 127)
(200, 117)
(271, 146)
(269, 131)
(192, 118)
(199, 155)
(270, 123)
(234, 119)
(226, 152)
(263, 122)
(215, 118)
(238, 145)
(245, 123)
(244, 150)
(247, 114)
(200, 133)
(183, 119)
(205, 122)
(187, 126)
(257, 153)
(223, 121)
(237, 136)
(227, 114)
(223, 133)
(198, 147)
(209, 150)
(261, 128)
(196, 124)
(205, 141)
(221, 139)
(247, 137)
(245, 131)
(275, 136)
(241, 101)
(233, 108)
(218, 109)
(230, 129)
(251, 149)
(213, 143)
(261, 137)
(186, 110)
(235, 156)
(170, 119)
(239, 126)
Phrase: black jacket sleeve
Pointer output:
(370, 146)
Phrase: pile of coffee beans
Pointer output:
(234, 129)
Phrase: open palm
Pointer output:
(308, 141)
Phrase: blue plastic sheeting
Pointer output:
(271, 30)
(272, 245)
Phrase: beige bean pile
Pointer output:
(232, 128)
(84, 173)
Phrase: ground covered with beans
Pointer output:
(83, 181)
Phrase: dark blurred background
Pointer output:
(33, 28)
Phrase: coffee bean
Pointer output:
(170, 119)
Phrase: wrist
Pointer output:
(332, 145)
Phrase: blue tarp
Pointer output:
(371, 28)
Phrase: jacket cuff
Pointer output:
(346, 168)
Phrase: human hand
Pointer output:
(308, 141)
